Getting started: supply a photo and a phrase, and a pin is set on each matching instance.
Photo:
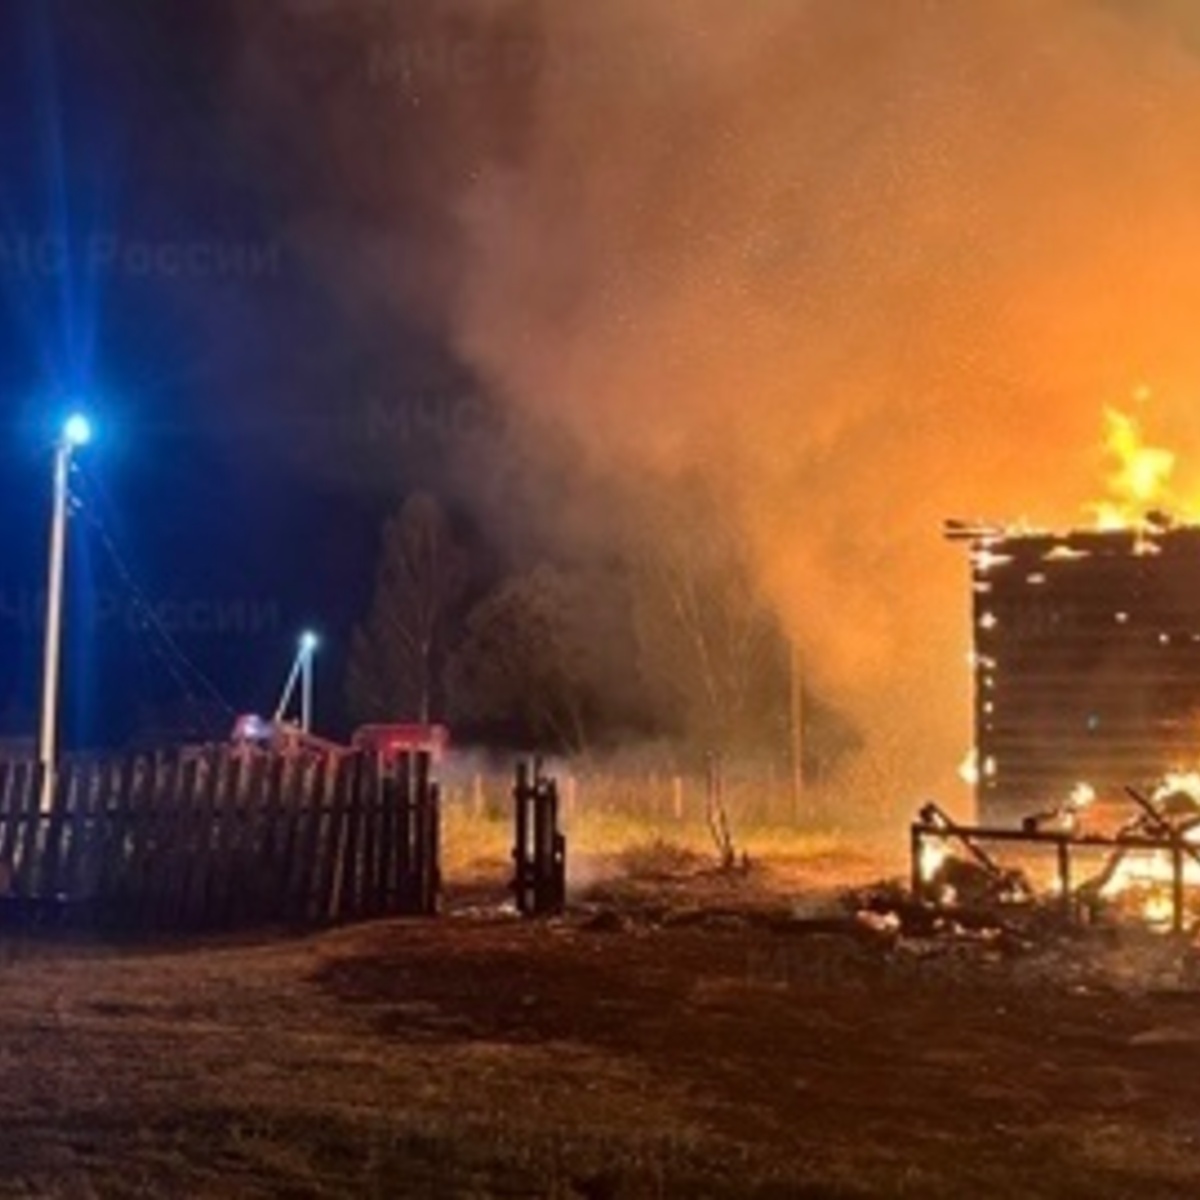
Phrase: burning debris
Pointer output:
(1087, 668)
(1146, 869)
(970, 877)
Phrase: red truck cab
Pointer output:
(391, 740)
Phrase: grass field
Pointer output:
(674, 1036)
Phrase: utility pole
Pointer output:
(796, 728)
(306, 684)
(76, 432)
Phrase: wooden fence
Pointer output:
(219, 839)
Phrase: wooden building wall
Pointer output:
(1087, 663)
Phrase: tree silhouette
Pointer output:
(527, 666)
(711, 652)
(397, 652)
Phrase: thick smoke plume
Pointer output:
(863, 265)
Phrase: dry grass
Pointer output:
(605, 818)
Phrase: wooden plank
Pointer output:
(432, 874)
(158, 864)
(184, 901)
(46, 880)
(369, 803)
(374, 848)
(406, 833)
(226, 783)
(246, 843)
(175, 848)
(425, 838)
(417, 837)
(331, 845)
(144, 801)
(8, 792)
(79, 866)
(233, 822)
(351, 897)
(171, 853)
(245, 848)
(142, 834)
(112, 844)
(27, 803)
(190, 899)
(128, 813)
(389, 857)
(296, 795)
(219, 877)
(357, 874)
(522, 869)
(302, 839)
(265, 885)
(29, 835)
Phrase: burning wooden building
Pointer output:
(1086, 661)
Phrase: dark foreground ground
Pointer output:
(672, 1038)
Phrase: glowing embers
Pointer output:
(1081, 795)
(934, 852)
(1062, 552)
(1145, 880)
(984, 559)
(1073, 861)
(1065, 816)
(968, 769)
(974, 770)
(951, 868)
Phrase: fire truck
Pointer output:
(391, 740)
(280, 734)
(251, 731)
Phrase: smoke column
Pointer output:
(864, 266)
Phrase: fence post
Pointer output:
(540, 850)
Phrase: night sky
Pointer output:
(252, 430)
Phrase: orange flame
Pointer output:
(1140, 481)
(1150, 873)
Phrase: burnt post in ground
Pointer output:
(540, 852)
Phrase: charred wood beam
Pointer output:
(936, 818)
(1162, 825)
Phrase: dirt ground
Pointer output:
(679, 1034)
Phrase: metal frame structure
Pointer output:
(934, 825)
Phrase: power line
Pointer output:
(148, 623)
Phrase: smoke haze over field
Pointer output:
(861, 265)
